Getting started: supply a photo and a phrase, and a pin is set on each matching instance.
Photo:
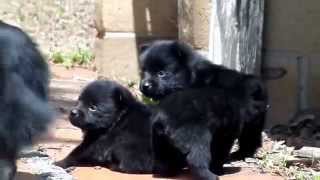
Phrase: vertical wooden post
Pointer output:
(303, 70)
(237, 34)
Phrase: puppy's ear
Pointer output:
(122, 96)
(143, 47)
(182, 50)
(203, 72)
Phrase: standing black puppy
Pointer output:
(24, 80)
(116, 127)
(170, 66)
(199, 127)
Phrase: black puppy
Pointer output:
(197, 128)
(170, 66)
(24, 80)
(116, 127)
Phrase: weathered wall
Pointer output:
(293, 25)
(194, 20)
(123, 25)
(292, 30)
(144, 17)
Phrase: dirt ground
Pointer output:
(63, 137)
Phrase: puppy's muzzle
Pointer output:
(146, 86)
(76, 116)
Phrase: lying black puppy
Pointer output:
(116, 127)
(170, 66)
(199, 127)
(24, 79)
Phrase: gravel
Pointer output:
(44, 167)
(57, 26)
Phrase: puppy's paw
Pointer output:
(236, 156)
(63, 164)
(70, 169)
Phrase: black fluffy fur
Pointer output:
(170, 66)
(197, 128)
(116, 127)
(24, 79)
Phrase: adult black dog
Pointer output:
(25, 112)
(170, 66)
(116, 127)
(197, 128)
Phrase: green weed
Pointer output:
(81, 57)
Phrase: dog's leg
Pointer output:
(220, 147)
(250, 139)
(73, 158)
(195, 141)
(168, 161)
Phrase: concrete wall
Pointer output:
(125, 24)
(293, 25)
(194, 20)
(292, 30)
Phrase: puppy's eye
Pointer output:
(92, 108)
(161, 73)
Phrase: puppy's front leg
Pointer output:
(195, 142)
(198, 160)
(74, 157)
(198, 165)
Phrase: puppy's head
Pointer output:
(164, 68)
(254, 88)
(100, 104)
(254, 91)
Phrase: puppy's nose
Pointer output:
(74, 113)
(146, 86)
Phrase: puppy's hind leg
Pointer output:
(7, 169)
